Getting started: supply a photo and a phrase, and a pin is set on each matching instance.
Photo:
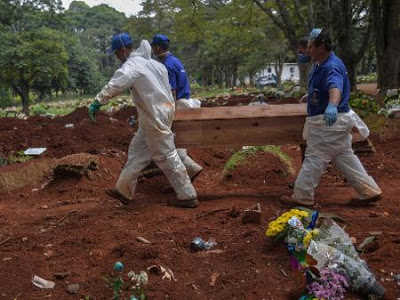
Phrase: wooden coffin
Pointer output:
(239, 125)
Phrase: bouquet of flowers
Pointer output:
(325, 255)
(333, 249)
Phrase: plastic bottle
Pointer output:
(132, 121)
(198, 244)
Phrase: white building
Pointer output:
(290, 72)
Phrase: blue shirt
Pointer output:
(177, 77)
(330, 74)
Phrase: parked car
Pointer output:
(266, 80)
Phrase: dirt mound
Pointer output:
(30, 173)
(239, 100)
(229, 100)
(74, 117)
(83, 136)
(288, 100)
(261, 169)
(125, 113)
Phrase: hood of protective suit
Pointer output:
(144, 50)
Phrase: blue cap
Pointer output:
(314, 33)
(118, 41)
(160, 39)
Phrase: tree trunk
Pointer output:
(220, 80)
(227, 79)
(25, 101)
(234, 74)
(390, 69)
(278, 64)
(352, 74)
(23, 91)
(387, 33)
(351, 67)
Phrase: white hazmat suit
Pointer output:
(191, 166)
(154, 140)
(333, 143)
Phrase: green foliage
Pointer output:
(39, 109)
(239, 157)
(369, 78)
(363, 104)
(33, 59)
(117, 286)
(391, 106)
(49, 51)
(15, 157)
(6, 99)
(136, 286)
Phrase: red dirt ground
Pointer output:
(71, 226)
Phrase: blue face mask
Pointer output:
(304, 58)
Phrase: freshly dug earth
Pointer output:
(71, 226)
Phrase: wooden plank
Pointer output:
(240, 112)
(239, 126)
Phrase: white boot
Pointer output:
(193, 168)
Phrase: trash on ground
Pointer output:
(142, 240)
(366, 244)
(35, 151)
(160, 270)
(213, 278)
(69, 125)
(198, 244)
(132, 121)
(73, 288)
(252, 214)
(42, 283)
(118, 266)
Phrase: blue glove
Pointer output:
(93, 109)
(330, 114)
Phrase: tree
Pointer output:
(84, 75)
(386, 15)
(95, 26)
(352, 30)
(29, 57)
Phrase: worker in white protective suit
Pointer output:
(328, 127)
(180, 90)
(148, 81)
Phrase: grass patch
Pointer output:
(239, 158)
(14, 158)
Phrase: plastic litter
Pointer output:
(334, 249)
(160, 270)
(69, 125)
(42, 283)
(198, 244)
(132, 121)
(35, 151)
(118, 266)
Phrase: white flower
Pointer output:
(140, 279)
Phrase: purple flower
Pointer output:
(329, 286)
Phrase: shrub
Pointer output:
(363, 104)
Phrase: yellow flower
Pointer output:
(280, 224)
(310, 235)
